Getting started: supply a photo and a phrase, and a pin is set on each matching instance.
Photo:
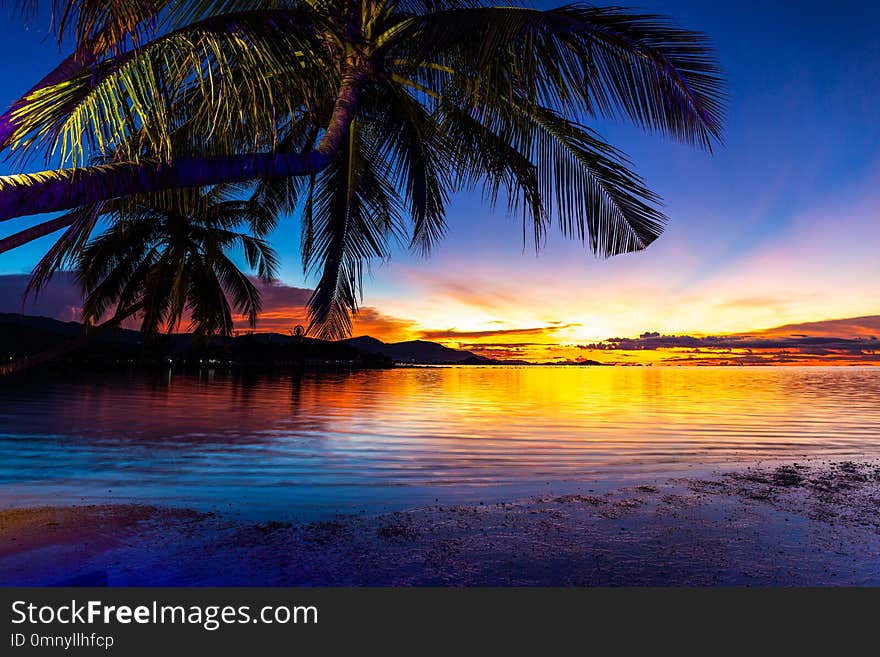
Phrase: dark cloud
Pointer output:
(284, 307)
(279, 295)
(499, 352)
(773, 347)
(772, 358)
(59, 300)
(840, 341)
(807, 345)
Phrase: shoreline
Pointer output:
(789, 525)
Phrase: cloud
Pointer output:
(505, 345)
(452, 334)
(755, 302)
(60, 299)
(853, 327)
(284, 307)
(474, 289)
(850, 341)
(774, 358)
(736, 342)
(505, 351)
(373, 322)
(278, 295)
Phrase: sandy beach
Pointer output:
(805, 523)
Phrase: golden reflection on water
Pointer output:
(402, 432)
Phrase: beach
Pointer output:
(809, 522)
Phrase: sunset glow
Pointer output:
(777, 228)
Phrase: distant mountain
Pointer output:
(15, 328)
(26, 335)
(575, 363)
(416, 351)
(41, 324)
(22, 335)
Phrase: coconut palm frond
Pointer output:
(420, 159)
(280, 196)
(63, 253)
(227, 80)
(587, 186)
(354, 211)
(576, 58)
(105, 25)
(495, 162)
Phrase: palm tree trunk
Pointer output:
(50, 191)
(28, 362)
(35, 232)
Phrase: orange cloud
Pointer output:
(284, 308)
(853, 327)
(453, 334)
(371, 321)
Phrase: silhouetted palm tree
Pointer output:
(170, 257)
(166, 257)
(369, 113)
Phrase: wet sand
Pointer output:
(805, 523)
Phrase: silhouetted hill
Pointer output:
(416, 351)
(576, 363)
(22, 335)
(15, 324)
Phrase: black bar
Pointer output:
(414, 621)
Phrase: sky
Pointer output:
(778, 227)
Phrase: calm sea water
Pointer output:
(303, 446)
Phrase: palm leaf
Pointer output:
(353, 211)
(574, 59)
(229, 79)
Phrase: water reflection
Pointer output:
(313, 442)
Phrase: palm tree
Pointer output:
(171, 257)
(164, 257)
(369, 113)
